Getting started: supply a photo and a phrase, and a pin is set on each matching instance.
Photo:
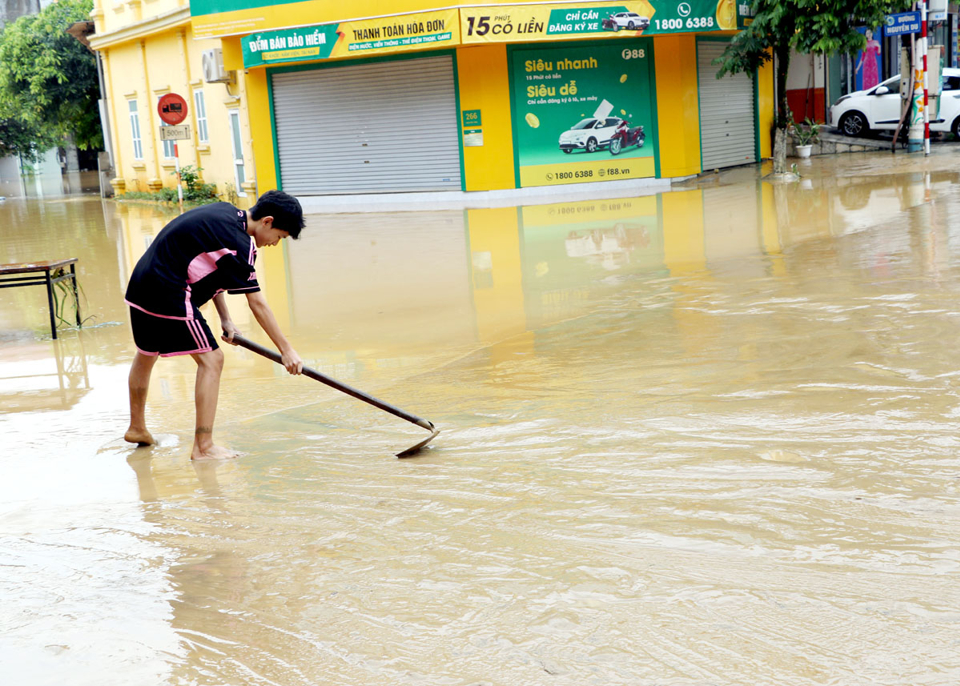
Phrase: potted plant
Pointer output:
(804, 136)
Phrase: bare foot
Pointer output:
(138, 436)
(214, 452)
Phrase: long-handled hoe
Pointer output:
(359, 395)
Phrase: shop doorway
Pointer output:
(376, 127)
(728, 116)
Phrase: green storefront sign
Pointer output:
(335, 40)
(583, 113)
(292, 45)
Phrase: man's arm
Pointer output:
(261, 310)
(226, 323)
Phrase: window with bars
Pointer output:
(200, 112)
(239, 174)
(135, 130)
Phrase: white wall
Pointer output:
(806, 71)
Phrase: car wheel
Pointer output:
(632, 26)
(567, 151)
(854, 124)
(955, 129)
(592, 145)
(615, 146)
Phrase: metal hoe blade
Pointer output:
(349, 390)
(413, 450)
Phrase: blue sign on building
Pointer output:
(901, 24)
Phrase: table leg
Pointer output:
(53, 321)
(76, 294)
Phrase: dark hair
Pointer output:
(285, 210)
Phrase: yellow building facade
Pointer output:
(377, 96)
(148, 49)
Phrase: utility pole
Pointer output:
(924, 12)
(915, 132)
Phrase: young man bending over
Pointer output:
(201, 255)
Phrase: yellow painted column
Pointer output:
(112, 100)
(250, 107)
(484, 86)
(261, 130)
(678, 105)
(151, 124)
(188, 95)
(766, 109)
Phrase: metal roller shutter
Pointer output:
(377, 127)
(727, 112)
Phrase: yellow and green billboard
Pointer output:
(552, 22)
(583, 113)
(218, 18)
(479, 23)
(419, 31)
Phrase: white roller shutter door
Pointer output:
(727, 112)
(368, 128)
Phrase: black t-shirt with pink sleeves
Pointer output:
(200, 253)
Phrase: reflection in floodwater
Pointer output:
(706, 436)
(42, 383)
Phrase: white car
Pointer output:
(878, 108)
(626, 20)
(589, 134)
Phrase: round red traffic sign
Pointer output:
(172, 108)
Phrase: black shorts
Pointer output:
(168, 337)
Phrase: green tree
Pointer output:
(48, 82)
(807, 26)
(18, 139)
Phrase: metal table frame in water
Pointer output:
(41, 274)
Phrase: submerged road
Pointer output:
(703, 437)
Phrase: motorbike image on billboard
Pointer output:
(583, 113)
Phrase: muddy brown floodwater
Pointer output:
(703, 437)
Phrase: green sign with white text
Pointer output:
(382, 35)
(583, 113)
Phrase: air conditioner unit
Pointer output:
(213, 71)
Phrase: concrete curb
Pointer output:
(459, 200)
